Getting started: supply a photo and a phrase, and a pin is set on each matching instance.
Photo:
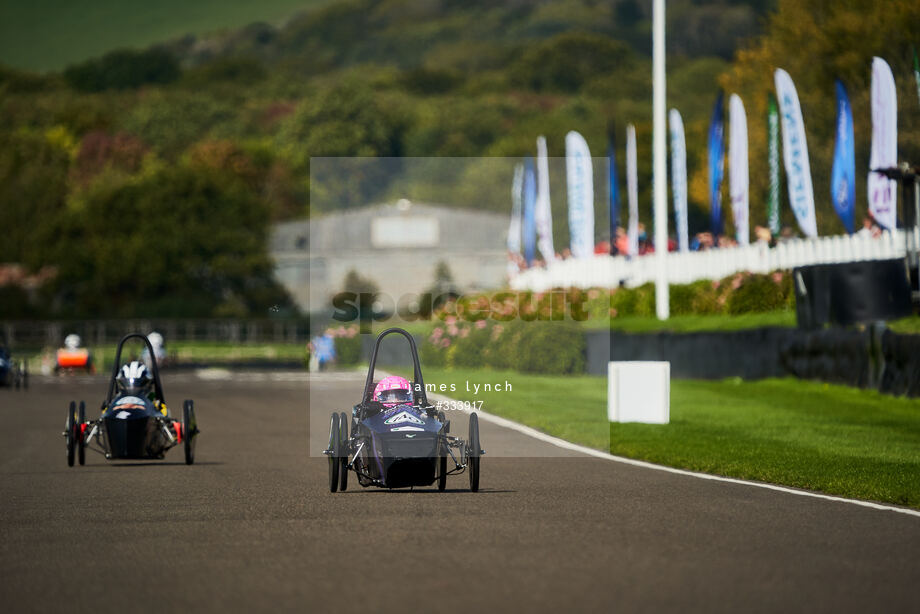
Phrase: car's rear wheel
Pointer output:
(70, 432)
(189, 430)
(81, 442)
(343, 448)
(475, 453)
(333, 452)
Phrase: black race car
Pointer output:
(399, 445)
(13, 373)
(132, 425)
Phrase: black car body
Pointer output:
(131, 427)
(399, 446)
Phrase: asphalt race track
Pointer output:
(252, 527)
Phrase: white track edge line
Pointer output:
(568, 445)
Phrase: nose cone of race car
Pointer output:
(130, 429)
(406, 444)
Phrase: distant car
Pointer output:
(159, 351)
(131, 425)
(72, 357)
(13, 373)
(399, 445)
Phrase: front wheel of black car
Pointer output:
(343, 448)
(443, 420)
(70, 432)
(189, 430)
(334, 451)
(442, 454)
(442, 466)
(81, 443)
(474, 453)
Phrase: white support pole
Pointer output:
(660, 166)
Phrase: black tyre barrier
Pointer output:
(874, 358)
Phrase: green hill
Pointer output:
(50, 34)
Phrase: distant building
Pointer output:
(397, 245)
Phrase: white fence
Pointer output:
(610, 271)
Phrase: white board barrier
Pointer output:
(639, 391)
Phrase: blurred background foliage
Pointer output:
(150, 175)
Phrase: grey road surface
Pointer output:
(252, 527)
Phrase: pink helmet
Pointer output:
(393, 390)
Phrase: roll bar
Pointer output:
(158, 388)
(420, 384)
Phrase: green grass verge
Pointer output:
(906, 326)
(834, 439)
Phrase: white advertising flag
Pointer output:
(679, 177)
(517, 194)
(883, 192)
(738, 169)
(544, 215)
(579, 175)
(632, 190)
(795, 154)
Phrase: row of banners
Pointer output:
(531, 218)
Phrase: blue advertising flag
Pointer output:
(716, 130)
(530, 205)
(843, 172)
(613, 193)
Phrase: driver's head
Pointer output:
(393, 390)
(134, 378)
(155, 339)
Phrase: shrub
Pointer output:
(505, 337)
(348, 350)
(638, 301)
(623, 302)
(551, 347)
(123, 69)
(709, 297)
(757, 293)
(469, 347)
(432, 350)
(680, 299)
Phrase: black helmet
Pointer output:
(134, 378)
